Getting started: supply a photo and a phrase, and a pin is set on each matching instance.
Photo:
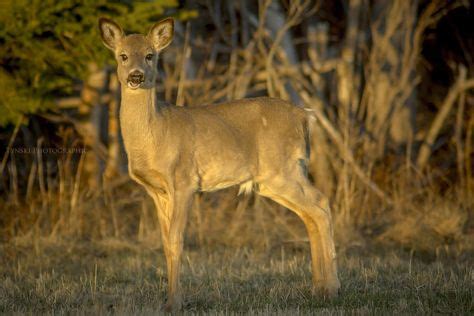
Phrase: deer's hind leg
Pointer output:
(295, 192)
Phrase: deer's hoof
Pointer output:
(326, 289)
(171, 306)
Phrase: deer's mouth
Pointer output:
(132, 84)
(135, 79)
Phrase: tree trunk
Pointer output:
(92, 95)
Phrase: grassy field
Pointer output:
(118, 277)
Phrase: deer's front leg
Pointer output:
(173, 221)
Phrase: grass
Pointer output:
(121, 277)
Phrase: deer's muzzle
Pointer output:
(135, 78)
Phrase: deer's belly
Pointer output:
(217, 173)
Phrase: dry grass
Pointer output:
(371, 177)
(242, 254)
(119, 277)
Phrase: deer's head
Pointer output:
(136, 54)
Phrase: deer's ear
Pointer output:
(161, 33)
(110, 32)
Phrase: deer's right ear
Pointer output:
(110, 32)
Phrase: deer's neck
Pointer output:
(138, 115)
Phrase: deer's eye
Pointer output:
(149, 57)
(124, 57)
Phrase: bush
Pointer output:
(47, 45)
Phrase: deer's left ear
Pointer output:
(161, 33)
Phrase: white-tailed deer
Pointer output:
(260, 144)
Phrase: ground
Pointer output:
(123, 277)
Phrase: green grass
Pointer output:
(122, 278)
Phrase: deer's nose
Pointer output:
(136, 77)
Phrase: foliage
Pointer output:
(47, 45)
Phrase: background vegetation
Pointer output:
(391, 83)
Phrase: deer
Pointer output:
(260, 144)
